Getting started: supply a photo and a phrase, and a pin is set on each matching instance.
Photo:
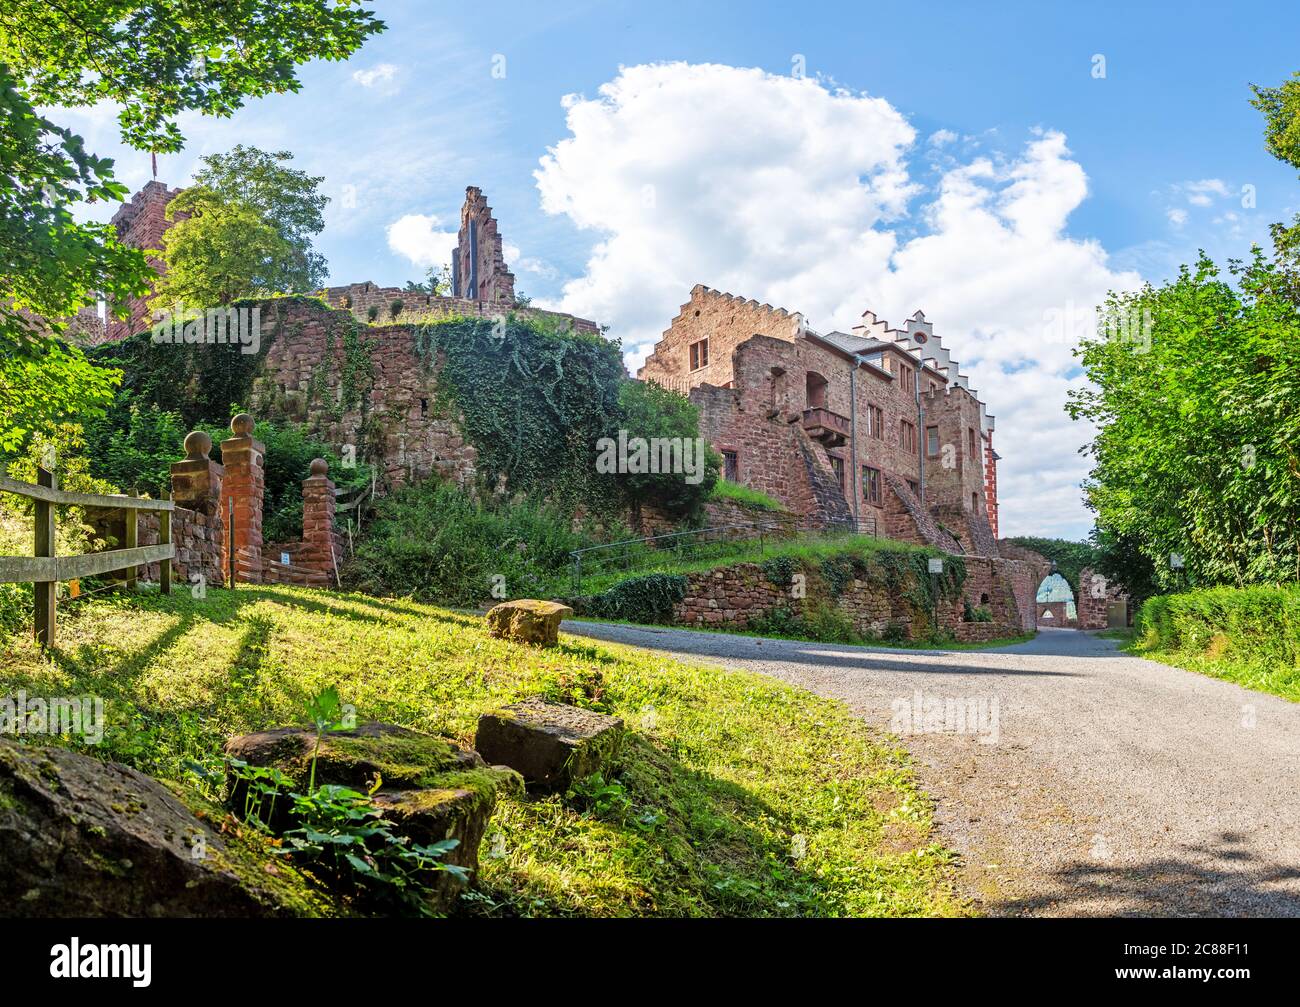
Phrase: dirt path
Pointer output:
(1083, 782)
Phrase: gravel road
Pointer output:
(1080, 781)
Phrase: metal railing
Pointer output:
(44, 569)
(649, 551)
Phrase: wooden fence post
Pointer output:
(44, 590)
(132, 524)
(165, 538)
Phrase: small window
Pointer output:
(907, 435)
(970, 441)
(424, 407)
(838, 465)
(907, 379)
(730, 467)
(974, 501)
(871, 484)
(914, 486)
(932, 441)
(876, 422)
(699, 354)
(934, 386)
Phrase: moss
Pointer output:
(405, 760)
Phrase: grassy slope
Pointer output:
(804, 547)
(724, 768)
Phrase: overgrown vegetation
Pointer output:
(1249, 635)
(1071, 558)
(638, 599)
(735, 795)
(434, 541)
(725, 490)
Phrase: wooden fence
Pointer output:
(44, 569)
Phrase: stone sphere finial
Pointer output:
(242, 425)
(319, 466)
(197, 445)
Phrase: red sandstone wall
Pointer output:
(359, 298)
(141, 223)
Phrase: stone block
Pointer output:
(528, 621)
(550, 744)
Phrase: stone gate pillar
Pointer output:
(243, 485)
(321, 545)
(196, 479)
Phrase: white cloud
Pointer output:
(1177, 217)
(1202, 193)
(939, 137)
(417, 237)
(517, 261)
(379, 74)
(785, 191)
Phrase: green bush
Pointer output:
(741, 494)
(641, 599)
(1249, 635)
(433, 541)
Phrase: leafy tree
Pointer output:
(47, 386)
(160, 58)
(651, 411)
(244, 228)
(1071, 558)
(1198, 445)
(1281, 109)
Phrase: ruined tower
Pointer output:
(141, 223)
(478, 265)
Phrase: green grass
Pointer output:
(804, 547)
(1248, 635)
(723, 769)
(724, 490)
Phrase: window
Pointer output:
(934, 386)
(974, 502)
(699, 354)
(907, 379)
(970, 442)
(875, 422)
(838, 465)
(871, 484)
(914, 486)
(932, 441)
(907, 435)
(424, 407)
(730, 467)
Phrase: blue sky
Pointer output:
(960, 160)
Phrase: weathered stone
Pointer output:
(528, 621)
(430, 789)
(85, 838)
(549, 744)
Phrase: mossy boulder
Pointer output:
(428, 788)
(85, 838)
(527, 620)
(550, 744)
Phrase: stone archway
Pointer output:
(1055, 603)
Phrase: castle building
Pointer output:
(875, 428)
(141, 223)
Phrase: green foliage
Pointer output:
(337, 833)
(52, 263)
(1070, 557)
(242, 229)
(536, 402)
(648, 411)
(780, 570)
(196, 381)
(159, 59)
(647, 599)
(46, 386)
(1280, 107)
(1247, 635)
(138, 454)
(724, 490)
(975, 613)
(433, 540)
(1198, 444)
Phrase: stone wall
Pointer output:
(369, 302)
(733, 596)
(198, 537)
